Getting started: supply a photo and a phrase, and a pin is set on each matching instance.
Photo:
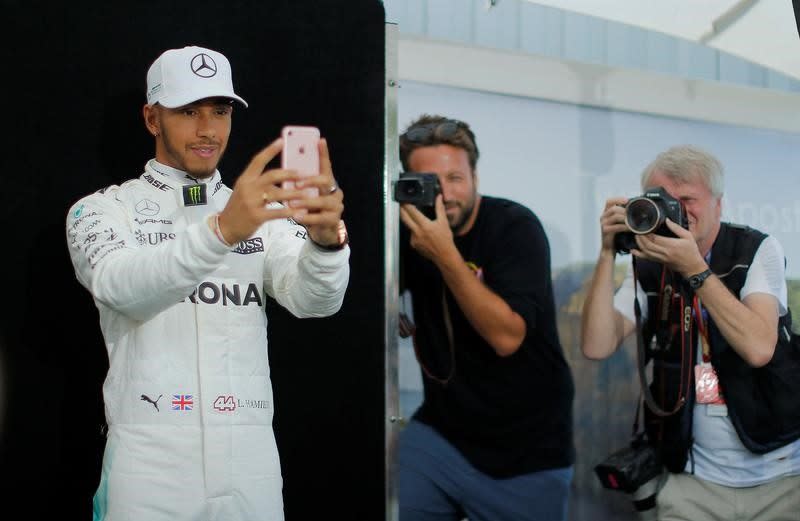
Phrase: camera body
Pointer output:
(636, 470)
(419, 189)
(648, 213)
(629, 468)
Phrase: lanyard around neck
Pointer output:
(702, 326)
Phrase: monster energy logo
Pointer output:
(194, 195)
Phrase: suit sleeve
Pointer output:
(303, 278)
(137, 282)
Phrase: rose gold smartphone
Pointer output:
(300, 153)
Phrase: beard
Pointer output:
(459, 220)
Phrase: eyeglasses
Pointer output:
(441, 129)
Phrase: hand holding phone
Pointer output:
(301, 153)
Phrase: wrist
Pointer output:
(695, 269)
(449, 259)
(696, 280)
(607, 254)
(340, 239)
(213, 223)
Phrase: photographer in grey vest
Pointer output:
(712, 295)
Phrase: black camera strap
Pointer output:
(686, 349)
(448, 326)
(637, 435)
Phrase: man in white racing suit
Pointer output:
(179, 266)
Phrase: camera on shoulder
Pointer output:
(419, 189)
(648, 213)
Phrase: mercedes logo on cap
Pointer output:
(203, 65)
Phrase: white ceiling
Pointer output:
(760, 31)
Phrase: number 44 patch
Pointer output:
(225, 403)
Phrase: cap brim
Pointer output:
(173, 102)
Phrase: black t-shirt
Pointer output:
(507, 415)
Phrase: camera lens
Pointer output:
(644, 499)
(411, 189)
(642, 215)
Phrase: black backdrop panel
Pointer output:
(73, 87)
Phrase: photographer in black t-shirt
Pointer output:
(492, 439)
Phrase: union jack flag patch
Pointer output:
(182, 402)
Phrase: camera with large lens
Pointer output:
(637, 470)
(648, 214)
(419, 189)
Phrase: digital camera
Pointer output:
(648, 214)
(629, 468)
(636, 470)
(419, 189)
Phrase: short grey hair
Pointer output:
(685, 163)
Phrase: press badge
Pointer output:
(707, 384)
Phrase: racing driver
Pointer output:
(179, 266)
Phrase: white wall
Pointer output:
(563, 160)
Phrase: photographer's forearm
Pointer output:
(749, 326)
(602, 327)
(486, 311)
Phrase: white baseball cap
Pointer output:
(181, 76)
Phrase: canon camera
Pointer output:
(419, 189)
(636, 470)
(648, 214)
